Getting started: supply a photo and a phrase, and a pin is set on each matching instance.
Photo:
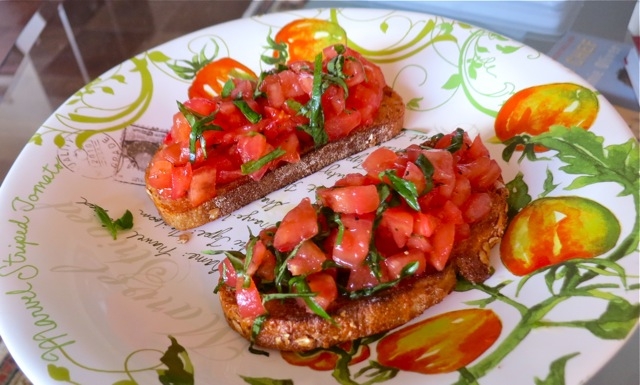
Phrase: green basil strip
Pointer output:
(427, 169)
(228, 87)
(281, 268)
(256, 327)
(199, 124)
(247, 111)
(456, 141)
(300, 285)
(247, 261)
(313, 109)
(273, 296)
(257, 164)
(405, 188)
(408, 270)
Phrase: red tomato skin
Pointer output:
(379, 160)
(354, 247)
(307, 260)
(397, 262)
(361, 277)
(399, 223)
(203, 185)
(442, 242)
(180, 180)
(249, 300)
(324, 286)
(298, 225)
(476, 207)
(350, 199)
(228, 273)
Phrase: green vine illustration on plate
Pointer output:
(175, 368)
(87, 119)
(476, 55)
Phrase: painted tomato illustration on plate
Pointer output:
(210, 79)
(326, 359)
(306, 37)
(555, 229)
(441, 344)
(534, 110)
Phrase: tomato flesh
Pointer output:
(350, 240)
(255, 117)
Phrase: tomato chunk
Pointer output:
(249, 300)
(350, 199)
(298, 225)
(308, 259)
(354, 245)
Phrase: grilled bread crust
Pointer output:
(291, 328)
(180, 214)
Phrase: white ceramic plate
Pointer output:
(81, 307)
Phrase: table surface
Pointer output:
(45, 58)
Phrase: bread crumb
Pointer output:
(184, 238)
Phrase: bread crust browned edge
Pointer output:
(288, 327)
(181, 215)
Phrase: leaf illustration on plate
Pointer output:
(556, 371)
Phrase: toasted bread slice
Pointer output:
(180, 214)
(291, 328)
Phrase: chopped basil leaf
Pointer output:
(257, 164)
(247, 111)
(313, 108)
(125, 222)
(228, 87)
(199, 124)
(405, 188)
(300, 285)
(456, 141)
(409, 269)
(427, 169)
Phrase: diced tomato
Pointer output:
(442, 242)
(180, 130)
(419, 242)
(379, 160)
(228, 273)
(444, 174)
(160, 171)
(333, 101)
(339, 126)
(325, 288)
(461, 191)
(249, 300)
(203, 185)
(476, 207)
(354, 246)
(361, 277)
(424, 223)
(463, 231)
(267, 268)
(180, 180)
(350, 199)
(273, 89)
(399, 223)
(414, 174)
(308, 259)
(257, 256)
(354, 179)
(397, 262)
(291, 145)
(449, 213)
(477, 149)
(298, 225)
